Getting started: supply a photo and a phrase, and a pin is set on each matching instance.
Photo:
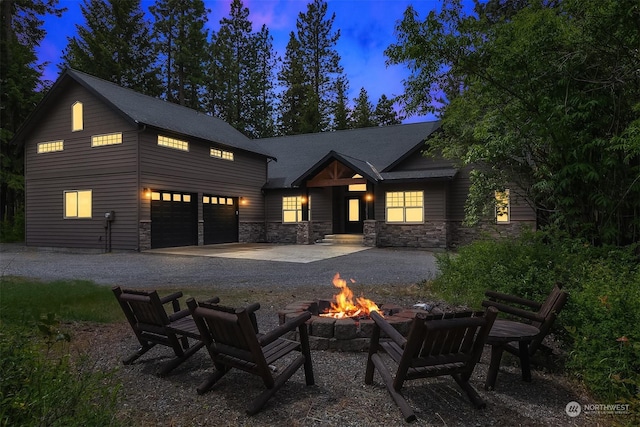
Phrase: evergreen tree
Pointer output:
(362, 114)
(296, 90)
(240, 89)
(20, 76)
(181, 43)
(114, 44)
(385, 114)
(320, 61)
(341, 110)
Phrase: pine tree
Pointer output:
(384, 114)
(362, 114)
(296, 90)
(181, 43)
(240, 89)
(320, 61)
(20, 76)
(115, 45)
(341, 110)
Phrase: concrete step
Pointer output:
(344, 239)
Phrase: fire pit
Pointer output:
(340, 324)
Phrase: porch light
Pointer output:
(146, 192)
(243, 201)
(368, 197)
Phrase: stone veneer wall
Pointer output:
(370, 233)
(251, 232)
(431, 234)
(461, 235)
(319, 229)
(278, 232)
(144, 235)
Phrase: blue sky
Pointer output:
(367, 28)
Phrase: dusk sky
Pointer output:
(367, 28)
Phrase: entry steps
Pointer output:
(343, 239)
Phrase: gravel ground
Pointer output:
(339, 397)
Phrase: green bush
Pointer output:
(601, 321)
(42, 386)
(12, 231)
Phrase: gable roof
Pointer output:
(153, 112)
(372, 152)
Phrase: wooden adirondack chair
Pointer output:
(539, 315)
(436, 345)
(152, 325)
(232, 339)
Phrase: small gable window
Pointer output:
(77, 119)
(406, 207)
(50, 146)
(77, 204)
(503, 208)
(176, 144)
(107, 139)
(221, 154)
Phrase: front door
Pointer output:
(355, 213)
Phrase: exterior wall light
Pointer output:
(146, 192)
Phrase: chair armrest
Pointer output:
(535, 317)
(213, 300)
(388, 329)
(179, 315)
(513, 299)
(290, 325)
(173, 299)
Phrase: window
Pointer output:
(165, 141)
(503, 208)
(77, 119)
(107, 139)
(50, 147)
(357, 187)
(405, 207)
(221, 154)
(77, 204)
(292, 209)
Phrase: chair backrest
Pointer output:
(142, 308)
(231, 332)
(549, 310)
(448, 339)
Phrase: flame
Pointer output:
(343, 305)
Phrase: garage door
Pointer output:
(220, 214)
(174, 219)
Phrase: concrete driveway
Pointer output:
(228, 266)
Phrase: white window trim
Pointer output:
(173, 143)
(298, 209)
(404, 208)
(75, 128)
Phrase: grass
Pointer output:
(23, 300)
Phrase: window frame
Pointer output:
(218, 153)
(66, 207)
(54, 144)
(106, 136)
(500, 198)
(298, 209)
(173, 143)
(77, 116)
(404, 206)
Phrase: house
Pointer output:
(109, 168)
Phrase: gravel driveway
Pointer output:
(132, 269)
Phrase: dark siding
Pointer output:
(109, 171)
(195, 171)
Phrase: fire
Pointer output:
(343, 305)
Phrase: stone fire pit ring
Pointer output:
(347, 334)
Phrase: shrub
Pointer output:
(602, 317)
(42, 385)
